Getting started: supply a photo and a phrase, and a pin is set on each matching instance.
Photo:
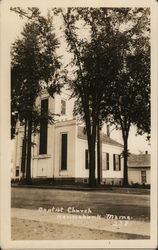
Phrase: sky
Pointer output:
(136, 144)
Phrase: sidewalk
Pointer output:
(93, 222)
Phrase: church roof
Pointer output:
(105, 139)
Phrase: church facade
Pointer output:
(60, 151)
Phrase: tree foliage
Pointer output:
(34, 63)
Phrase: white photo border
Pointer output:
(5, 146)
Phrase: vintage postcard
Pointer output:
(78, 124)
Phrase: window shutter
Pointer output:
(43, 127)
(119, 162)
(114, 162)
(64, 152)
(86, 159)
(107, 161)
(103, 161)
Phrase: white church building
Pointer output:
(60, 151)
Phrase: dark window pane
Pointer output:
(108, 130)
(43, 126)
(107, 161)
(17, 172)
(119, 162)
(64, 152)
(114, 162)
(86, 159)
(143, 174)
(63, 107)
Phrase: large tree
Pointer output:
(128, 99)
(95, 67)
(109, 70)
(34, 66)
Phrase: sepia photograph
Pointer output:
(81, 128)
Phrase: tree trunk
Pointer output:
(28, 169)
(125, 179)
(98, 155)
(23, 160)
(92, 179)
